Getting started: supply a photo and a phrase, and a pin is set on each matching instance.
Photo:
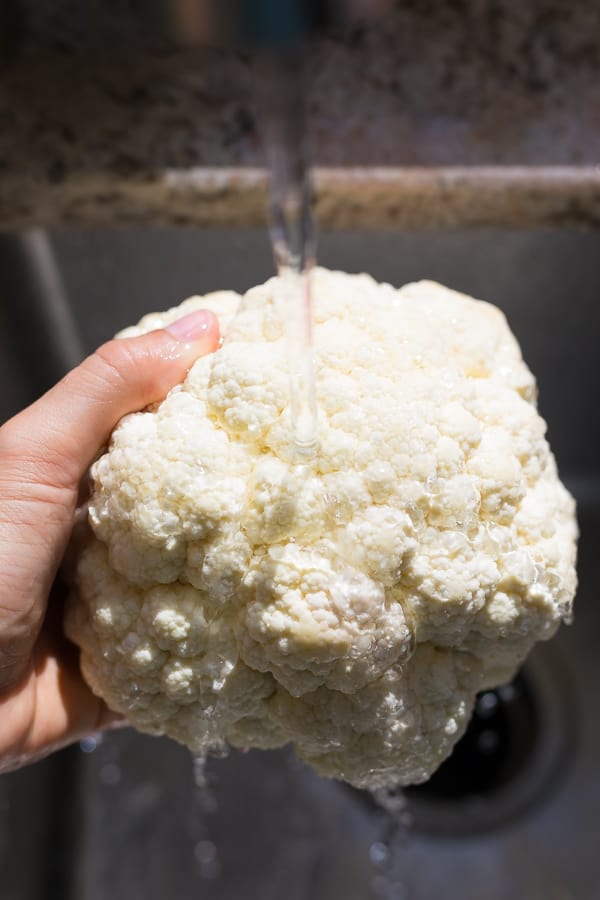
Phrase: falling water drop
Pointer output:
(90, 743)
(199, 761)
(205, 854)
(379, 854)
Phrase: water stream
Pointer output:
(204, 804)
(388, 855)
(281, 100)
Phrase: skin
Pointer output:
(45, 453)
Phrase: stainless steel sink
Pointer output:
(122, 818)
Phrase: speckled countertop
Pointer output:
(446, 114)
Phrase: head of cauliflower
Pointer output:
(354, 604)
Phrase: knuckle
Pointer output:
(117, 364)
(8, 439)
(16, 443)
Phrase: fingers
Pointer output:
(46, 450)
(50, 708)
(57, 437)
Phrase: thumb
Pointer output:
(58, 437)
(47, 449)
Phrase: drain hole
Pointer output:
(510, 758)
(498, 743)
(513, 754)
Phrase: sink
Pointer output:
(123, 816)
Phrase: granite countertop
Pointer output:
(447, 114)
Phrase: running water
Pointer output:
(281, 91)
(205, 804)
(388, 854)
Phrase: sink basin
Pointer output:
(122, 817)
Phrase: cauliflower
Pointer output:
(354, 604)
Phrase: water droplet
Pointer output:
(219, 750)
(388, 854)
(488, 741)
(379, 853)
(205, 851)
(431, 484)
(208, 802)
(487, 704)
(507, 693)
(90, 743)
(210, 870)
(205, 798)
(392, 800)
(199, 770)
(333, 506)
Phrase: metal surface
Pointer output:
(39, 340)
(449, 115)
(125, 821)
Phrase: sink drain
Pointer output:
(513, 752)
(498, 743)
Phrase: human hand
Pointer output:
(45, 452)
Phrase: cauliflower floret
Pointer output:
(352, 605)
(312, 620)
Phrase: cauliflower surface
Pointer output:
(354, 604)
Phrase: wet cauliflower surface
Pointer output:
(354, 604)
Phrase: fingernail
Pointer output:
(192, 327)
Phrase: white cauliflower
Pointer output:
(352, 605)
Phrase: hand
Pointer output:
(45, 452)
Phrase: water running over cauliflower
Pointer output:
(353, 605)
